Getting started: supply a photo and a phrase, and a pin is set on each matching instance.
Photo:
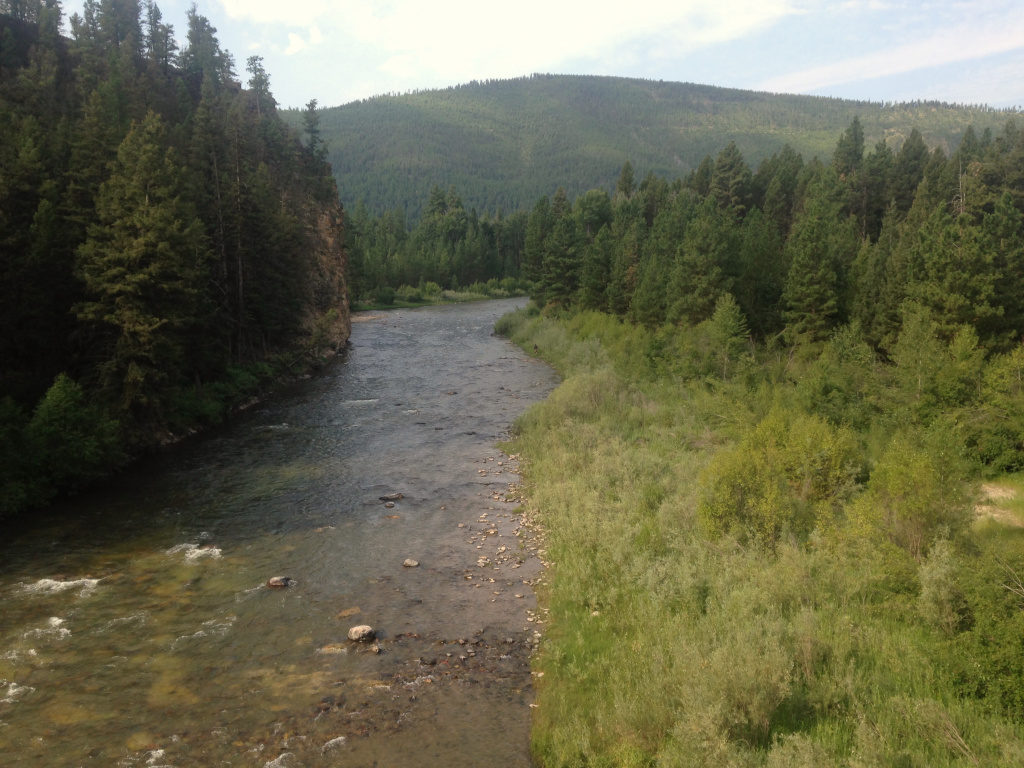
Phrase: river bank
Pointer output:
(676, 639)
(138, 625)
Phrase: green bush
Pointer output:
(409, 294)
(72, 440)
(995, 427)
(942, 603)
(384, 294)
(19, 487)
(912, 497)
(789, 474)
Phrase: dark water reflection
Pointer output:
(136, 628)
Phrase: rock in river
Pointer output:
(281, 581)
(362, 633)
(410, 563)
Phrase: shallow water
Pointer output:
(137, 628)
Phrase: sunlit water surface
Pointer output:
(137, 628)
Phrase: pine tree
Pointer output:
(731, 181)
(1002, 233)
(849, 152)
(144, 267)
(561, 265)
(626, 185)
(908, 170)
(955, 277)
(820, 248)
(700, 272)
(537, 228)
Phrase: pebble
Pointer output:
(332, 649)
(410, 563)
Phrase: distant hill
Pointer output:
(504, 143)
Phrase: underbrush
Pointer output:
(741, 578)
(408, 296)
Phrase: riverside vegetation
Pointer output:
(760, 480)
(168, 246)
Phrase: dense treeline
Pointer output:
(761, 479)
(165, 238)
(448, 248)
(503, 143)
(875, 240)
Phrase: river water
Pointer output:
(137, 629)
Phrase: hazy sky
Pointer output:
(337, 51)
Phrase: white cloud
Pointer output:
(295, 44)
(296, 13)
(460, 39)
(964, 42)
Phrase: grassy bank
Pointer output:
(739, 580)
(408, 296)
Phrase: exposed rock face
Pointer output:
(363, 633)
(328, 319)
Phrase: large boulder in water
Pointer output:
(362, 633)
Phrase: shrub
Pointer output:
(384, 294)
(409, 294)
(942, 602)
(785, 476)
(996, 429)
(72, 439)
(18, 488)
(913, 495)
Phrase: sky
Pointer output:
(338, 51)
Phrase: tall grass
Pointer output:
(672, 644)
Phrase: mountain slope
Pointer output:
(504, 143)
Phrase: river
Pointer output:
(137, 628)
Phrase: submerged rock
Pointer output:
(281, 581)
(335, 742)
(363, 633)
(397, 496)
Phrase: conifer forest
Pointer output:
(169, 244)
(781, 483)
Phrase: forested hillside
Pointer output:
(504, 143)
(166, 241)
(781, 483)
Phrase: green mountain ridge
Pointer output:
(504, 143)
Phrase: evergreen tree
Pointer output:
(561, 265)
(731, 181)
(849, 152)
(955, 277)
(759, 272)
(727, 328)
(595, 271)
(908, 170)
(700, 272)
(1002, 233)
(820, 248)
(144, 266)
(537, 228)
(626, 185)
